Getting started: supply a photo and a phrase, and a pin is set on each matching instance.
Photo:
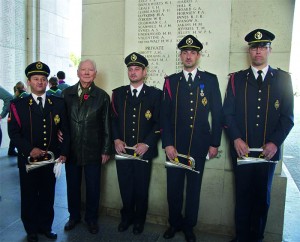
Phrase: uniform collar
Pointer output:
(138, 89)
(264, 71)
(36, 96)
(186, 74)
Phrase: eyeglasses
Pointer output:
(260, 48)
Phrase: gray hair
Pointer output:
(87, 60)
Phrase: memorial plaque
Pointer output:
(154, 27)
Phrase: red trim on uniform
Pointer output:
(232, 83)
(14, 110)
(168, 88)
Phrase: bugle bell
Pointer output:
(47, 159)
(125, 156)
(177, 164)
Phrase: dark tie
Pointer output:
(190, 79)
(41, 104)
(259, 78)
(134, 93)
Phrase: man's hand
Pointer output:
(171, 152)
(241, 147)
(141, 148)
(105, 158)
(212, 152)
(269, 150)
(120, 146)
(36, 153)
(62, 159)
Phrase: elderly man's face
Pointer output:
(86, 73)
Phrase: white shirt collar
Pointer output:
(36, 96)
(138, 89)
(186, 74)
(264, 71)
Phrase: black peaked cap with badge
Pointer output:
(37, 68)
(259, 37)
(136, 59)
(190, 42)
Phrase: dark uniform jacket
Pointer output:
(136, 120)
(185, 113)
(90, 124)
(267, 115)
(28, 128)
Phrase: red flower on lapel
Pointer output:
(85, 96)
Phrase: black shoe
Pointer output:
(93, 227)
(170, 232)
(50, 235)
(12, 153)
(32, 238)
(123, 226)
(71, 224)
(189, 235)
(138, 228)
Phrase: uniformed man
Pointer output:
(32, 126)
(135, 124)
(258, 110)
(189, 97)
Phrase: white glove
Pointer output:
(57, 169)
(207, 156)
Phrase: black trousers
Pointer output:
(92, 174)
(175, 188)
(37, 198)
(253, 194)
(134, 179)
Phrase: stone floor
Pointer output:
(11, 228)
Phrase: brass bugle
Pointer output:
(252, 160)
(244, 160)
(124, 156)
(177, 164)
(36, 164)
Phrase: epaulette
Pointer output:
(236, 72)
(16, 100)
(283, 71)
(168, 77)
(209, 73)
(155, 88)
(119, 88)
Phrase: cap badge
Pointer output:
(56, 119)
(258, 35)
(204, 101)
(133, 57)
(148, 114)
(39, 65)
(189, 41)
(276, 104)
